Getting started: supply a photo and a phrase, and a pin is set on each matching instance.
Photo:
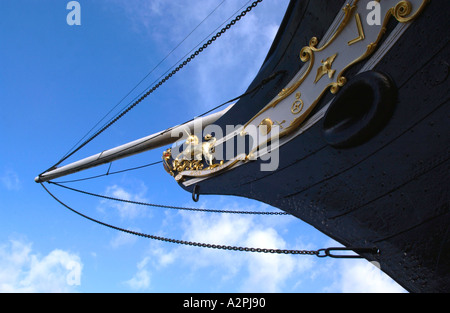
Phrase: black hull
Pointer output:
(392, 191)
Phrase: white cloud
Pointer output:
(250, 272)
(217, 228)
(260, 272)
(163, 258)
(269, 272)
(231, 63)
(23, 271)
(10, 180)
(364, 277)
(141, 280)
(154, 18)
(126, 210)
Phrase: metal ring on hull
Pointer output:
(360, 110)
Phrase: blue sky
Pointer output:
(57, 81)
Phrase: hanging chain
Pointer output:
(167, 206)
(162, 81)
(321, 253)
(183, 242)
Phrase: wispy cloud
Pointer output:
(141, 280)
(364, 277)
(269, 272)
(124, 209)
(226, 68)
(10, 180)
(21, 270)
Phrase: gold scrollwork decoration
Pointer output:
(306, 54)
(402, 12)
(348, 13)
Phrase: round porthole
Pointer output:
(360, 110)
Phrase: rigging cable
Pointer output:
(182, 58)
(148, 74)
(109, 173)
(162, 81)
(319, 253)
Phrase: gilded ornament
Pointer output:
(360, 31)
(297, 106)
(266, 126)
(326, 68)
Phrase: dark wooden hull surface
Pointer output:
(391, 192)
